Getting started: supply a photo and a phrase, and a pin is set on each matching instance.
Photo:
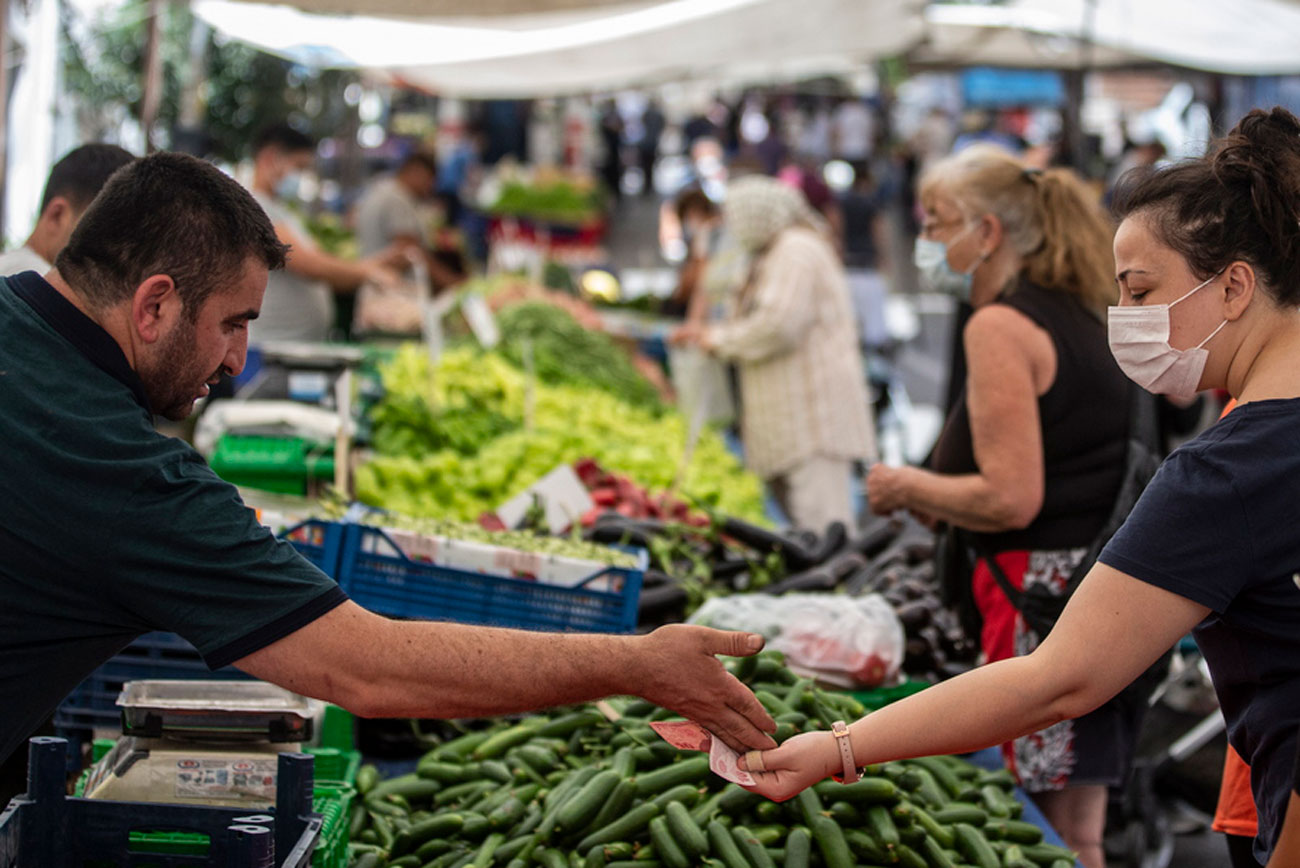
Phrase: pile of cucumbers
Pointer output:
(577, 790)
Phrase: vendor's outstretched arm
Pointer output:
(378, 667)
(1114, 627)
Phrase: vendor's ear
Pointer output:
(1238, 289)
(155, 307)
(60, 214)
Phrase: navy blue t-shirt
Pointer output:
(1218, 525)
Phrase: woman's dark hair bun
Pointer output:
(1240, 201)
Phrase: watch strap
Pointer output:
(842, 740)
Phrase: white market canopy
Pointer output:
(1242, 37)
(519, 48)
(601, 47)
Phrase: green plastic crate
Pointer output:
(280, 464)
(334, 804)
(881, 696)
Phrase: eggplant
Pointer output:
(816, 579)
(661, 599)
(831, 542)
(876, 537)
(795, 555)
(914, 616)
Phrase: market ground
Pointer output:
(922, 366)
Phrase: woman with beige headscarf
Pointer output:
(805, 419)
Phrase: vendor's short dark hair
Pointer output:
(284, 138)
(170, 214)
(81, 173)
(421, 159)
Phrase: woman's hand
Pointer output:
(886, 491)
(797, 764)
(686, 334)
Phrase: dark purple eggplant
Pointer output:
(762, 540)
(661, 599)
(831, 542)
(914, 616)
(875, 537)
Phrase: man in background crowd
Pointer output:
(74, 181)
(299, 302)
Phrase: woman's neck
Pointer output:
(1268, 368)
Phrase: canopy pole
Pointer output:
(152, 89)
(4, 104)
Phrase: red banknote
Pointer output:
(683, 735)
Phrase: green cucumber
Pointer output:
(513, 847)
(448, 773)
(1016, 831)
(495, 770)
(618, 802)
(974, 847)
(1046, 853)
(844, 814)
(798, 848)
(580, 810)
(459, 748)
(549, 857)
(880, 825)
(687, 771)
(830, 841)
(936, 830)
(942, 773)
(440, 826)
(565, 725)
(935, 855)
(367, 778)
(868, 791)
(500, 742)
(866, 846)
(809, 806)
(406, 862)
(688, 794)
(954, 813)
(736, 800)
(995, 801)
(623, 828)
(508, 815)
(751, 848)
(624, 762)
(909, 858)
(724, 846)
(685, 830)
(670, 853)
(487, 850)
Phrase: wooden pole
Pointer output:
(152, 90)
(4, 106)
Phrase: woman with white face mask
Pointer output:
(1031, 458)
(1208, 263)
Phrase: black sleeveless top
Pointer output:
(1084, 419)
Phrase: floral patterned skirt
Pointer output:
(1096, 749)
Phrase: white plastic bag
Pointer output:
(848, 641)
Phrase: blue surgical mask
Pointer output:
(931, 260)
(289, 186)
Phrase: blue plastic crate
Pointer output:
(46, 828)
(376, 575)
(320, 542)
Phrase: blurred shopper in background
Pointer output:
(1031, 458)
(74, 181)
(392, 214)
(299, 301)
(805, 418)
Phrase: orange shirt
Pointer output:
(1236, 813)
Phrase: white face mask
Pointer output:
(931, 260)
(1139, 339)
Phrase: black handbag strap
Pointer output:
(1141, 459)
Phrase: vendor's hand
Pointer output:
(679, 670)
(885, 489)
(800, 762)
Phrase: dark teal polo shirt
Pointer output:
(109, 529)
